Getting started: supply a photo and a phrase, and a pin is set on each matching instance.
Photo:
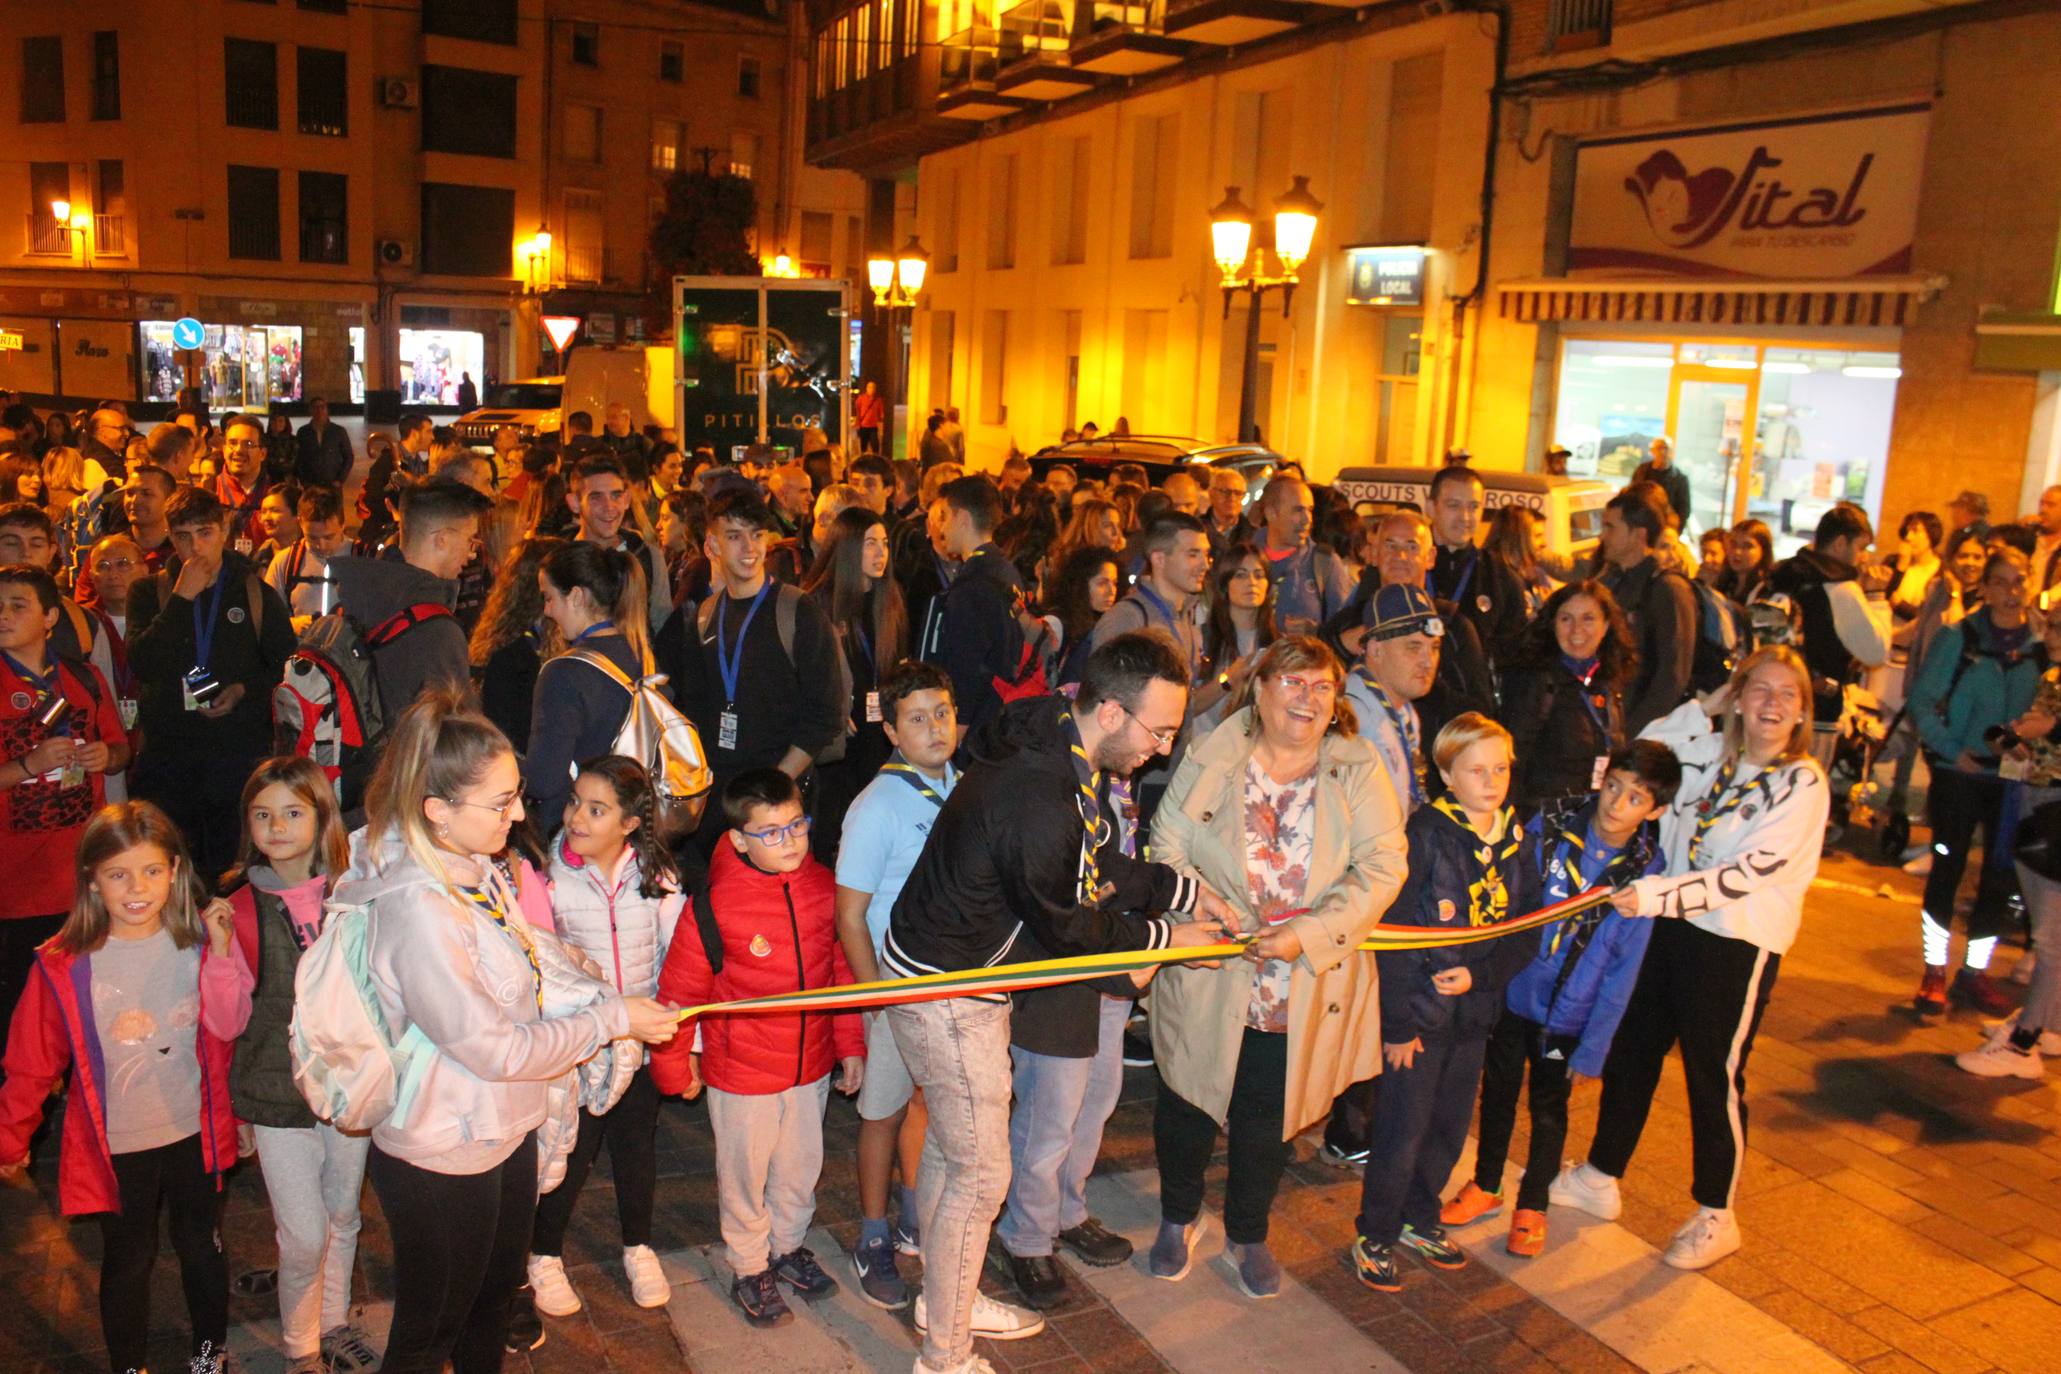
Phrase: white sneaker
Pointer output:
(1997, 1057)
(975, 1364)
(1587, 1190)
(993, 1321)
(554, 1291)
(2049, 1042)
(648, 1285)
(1705, 1239)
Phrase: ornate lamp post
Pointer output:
(1241, 263)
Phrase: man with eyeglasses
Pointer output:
(242, 484)
(1026, 861)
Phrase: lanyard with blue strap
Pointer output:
(729, 666)
(606, 627)
(1466, 578)
(204, 622)
(1592, 702)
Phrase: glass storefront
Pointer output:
(241, 366)
(357, 364)
(435, 361)
(1775, 431)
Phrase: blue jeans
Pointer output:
(957, 1051)
(1061, 1107)
(1421, 1116)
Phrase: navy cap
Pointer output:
(1399, 609)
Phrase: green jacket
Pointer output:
(1969, 683)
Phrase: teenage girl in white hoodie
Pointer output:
(1742, 841)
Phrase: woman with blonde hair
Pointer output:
(1288, 813)
(1742, 839)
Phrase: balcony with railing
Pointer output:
(1572, 25)
(584, 262)
(1124, 38)
(968, 63)
(1232, 23)
(110, 236)
(1034, 38)
(47, 237)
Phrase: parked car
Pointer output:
(1161, 456)
(1570, 508)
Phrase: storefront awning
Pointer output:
(1855, 302)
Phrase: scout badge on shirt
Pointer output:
(1446, 910)
(761, 946)
(1481, 603)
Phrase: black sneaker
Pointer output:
(1137, 1047)
(1037, 1277)
(798, 1270)
(758, 1297)
(1340, 1158)
(525, 1327)
(1433, 1248)
(1375, 1266)
(1096, 1244)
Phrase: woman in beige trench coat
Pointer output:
(1282, 807)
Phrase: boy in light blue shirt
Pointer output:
(884, 832)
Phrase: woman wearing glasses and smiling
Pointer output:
(1288, 812)
(452, 955)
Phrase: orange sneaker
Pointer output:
(1471, 1203)
(1527, 1233)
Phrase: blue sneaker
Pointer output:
(879, 1282)
(1173, 1251)
(1431, 1246)
(1254, 1267)
(908, 1239)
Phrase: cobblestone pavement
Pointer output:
(1900, 1216)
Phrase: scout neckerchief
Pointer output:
(42, 686)
(1716, 806)
(1094, 829)
(1406, 725)
(490, 898)
(899, 767)
(1510, 837)
(1576, 877)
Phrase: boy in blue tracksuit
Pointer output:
(1562, 1009)
(1472, 864)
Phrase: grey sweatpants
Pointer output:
(769, 1153)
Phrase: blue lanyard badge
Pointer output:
(727, 667)
(599, 627)
(1466, 578)
(204, 622)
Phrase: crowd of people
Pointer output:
(281, 761)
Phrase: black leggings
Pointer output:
(460, 1245)
(630, 1130)
(146, 1180)
(1184, 1137)
(1959, 803)
(19, 936)
(1515, 1043)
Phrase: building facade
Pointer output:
(351, 198)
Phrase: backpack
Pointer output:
(326, 707)
(786, 605)
(1718, 637)
(346, 1061)
(655, 734)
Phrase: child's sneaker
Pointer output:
(1527, 1233)
(1432, 1247)
(993, 1321)
(880, 1283)
(1338, 1157)
(346, 1351)
(1704, 1239)
(648, 1284)
(1587, 1189)
(555, 1295)
(1173, 1251)
(758, 1297)
(1997, 1057)
(1254, 1267)
(1375, 1266)
(1471, 1203)
(908, 1240)
(798, 1270)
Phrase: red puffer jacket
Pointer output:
(779, 935)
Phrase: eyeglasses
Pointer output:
(1164, 738)
(1319, 687)
(506, 810)
(777, 835)
(114, 565)
(242, 443)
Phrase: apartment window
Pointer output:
(667, 138)
(48, 181)
(467, 111)
(254, 213)
(672, 61)
(744, 154)
(1572, 24)
(941, 329)
(107, 75)
(1070, 202)
(586, 253)
(1155, 147)
(322, 88)
(994, 367)
(748, 77)
(1002, 215)
(111, 205)
(467, 231)
(586, 44)
(42, 80)
(582, 132)
(947, 225)
(250, 83)
(817, 230)
(483, 21)
(326, 6)
(325, 217)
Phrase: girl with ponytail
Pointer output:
(451, 954)
(595, 597)
(616, 896)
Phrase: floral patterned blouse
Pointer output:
(1280, 832)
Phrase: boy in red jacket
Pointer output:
(775, 911)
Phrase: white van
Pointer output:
(595, 376)
(1569, 508)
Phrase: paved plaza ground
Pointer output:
(1900, 1216)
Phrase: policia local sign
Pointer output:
(1816, 197)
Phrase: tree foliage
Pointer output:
(706, 229)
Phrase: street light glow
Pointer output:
(1230, 234)
(914, 266)
(1295, 225)
(61, 210)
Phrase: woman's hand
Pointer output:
(851, 1074)
(2034, 724)
(220, 920)
(1715, 701)
(1278, 942)
(652, 1021)
(1402, 1056)
(1452, 982)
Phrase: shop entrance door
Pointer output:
(1709, 413)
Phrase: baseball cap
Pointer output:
(1972, 501)
(1399, 609)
